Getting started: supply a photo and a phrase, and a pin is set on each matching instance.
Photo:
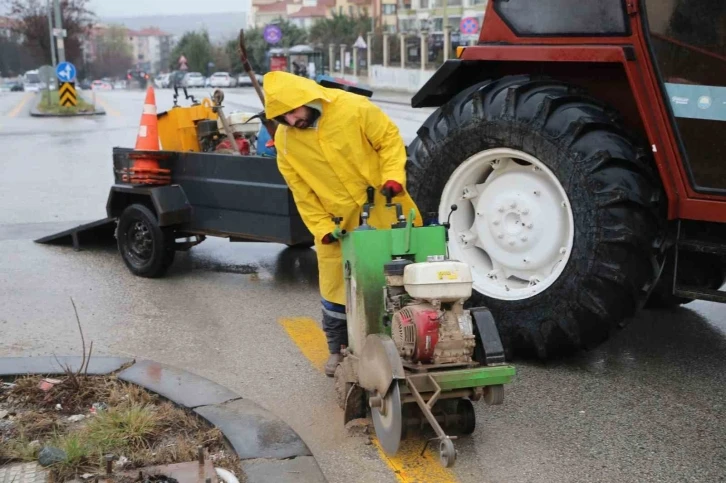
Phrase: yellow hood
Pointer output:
(285, 92)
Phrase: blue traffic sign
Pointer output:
(66, 72)
(272, 34)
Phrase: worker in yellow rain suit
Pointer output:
(331, 146)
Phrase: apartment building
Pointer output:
(429, 14)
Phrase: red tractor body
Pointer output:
(647, 73)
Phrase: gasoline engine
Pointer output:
(425, 302)
(415, 355)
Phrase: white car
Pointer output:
(99, 85)
(161, 81)
(193, 79)
(244, 79)
(222, 79)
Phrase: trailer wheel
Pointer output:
(560, 216)
(146, 248)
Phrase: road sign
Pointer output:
(60, 32)
(272, 34)
(360, 43)
(469, 25)
(67, 94)
(45, 73)
(66, 72)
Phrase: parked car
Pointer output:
(162, 81)
(244, 79)
(99, 85)
(193, 79)
(120, 84)
(222, 79)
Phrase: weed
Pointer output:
(80, 456)
(18, 449)
(124, 428)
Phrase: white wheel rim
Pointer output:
(513, 226)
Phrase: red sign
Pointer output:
(278, 63)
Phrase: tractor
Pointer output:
(584, 143)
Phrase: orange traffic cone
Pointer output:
(146, 166)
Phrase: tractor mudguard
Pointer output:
(379, 364)
(451, 78)
(170, 202)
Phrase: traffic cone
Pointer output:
(146, 166)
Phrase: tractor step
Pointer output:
(701, 294)
(98, 232)
(702, 246)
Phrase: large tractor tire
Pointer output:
(560, 216)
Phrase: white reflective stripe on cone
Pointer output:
(149, 109)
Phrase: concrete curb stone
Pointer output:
(268, 448)
(34, 112)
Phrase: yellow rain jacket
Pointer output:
(328, 167)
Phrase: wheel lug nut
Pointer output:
(563, 250)
(512, 241)
(526, 260)
(496, 222)
(525, 211)
(501, 235)
(501, 209)
(524, 238)
(530, 225)
(513, 204)
(536, 193)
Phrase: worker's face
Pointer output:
(301, 118)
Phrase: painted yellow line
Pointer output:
(109, 110)
(21, 104)
(408, 465)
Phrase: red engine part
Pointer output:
(243, 145)
(416, 332)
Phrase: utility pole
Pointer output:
(59, 26)
(50, 32)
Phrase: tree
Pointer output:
(31, 23)
(197, 49)
(341, 29)
(257, 47)
(13, 60)
(114, 55)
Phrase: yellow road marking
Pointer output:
(23, 101)
(407, 465)
(109, 110)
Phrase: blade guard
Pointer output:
(379, 364)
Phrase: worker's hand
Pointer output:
(333, 237)
(391, 188)
(328, 239)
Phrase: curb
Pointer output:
(34, 112)
(268, 448)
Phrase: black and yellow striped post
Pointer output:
(67, 94)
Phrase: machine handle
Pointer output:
(389, 195)
(371, 193)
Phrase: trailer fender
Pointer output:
(170, 203)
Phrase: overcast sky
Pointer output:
(129, 8)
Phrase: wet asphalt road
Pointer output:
(649, 405)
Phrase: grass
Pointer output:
(139, 425)
(53, 106)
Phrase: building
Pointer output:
(415, 15)
(151, 49)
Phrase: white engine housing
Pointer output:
(238, 123)
(445, 281)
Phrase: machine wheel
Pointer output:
(467, 416)
(560, 216)
(447, 453)
(494, 395)
(145, 247)
(701, 270)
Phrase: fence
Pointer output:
(391, 60)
